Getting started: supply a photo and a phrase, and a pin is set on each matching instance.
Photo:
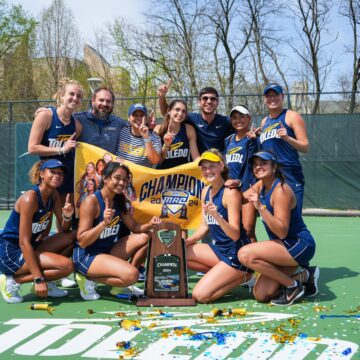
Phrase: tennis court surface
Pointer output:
(324, 327)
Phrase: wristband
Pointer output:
(147, 140)
(39, 280)
(66, 218)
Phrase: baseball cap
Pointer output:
(241, 109)
(262, 155)
(135, 107)
(207, 155)
(272, 86)
(52, 164)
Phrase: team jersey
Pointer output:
(210, 135)
(40, 220)
(109, 236)
(287, 155)
(132, 148)
(179, 152)
(237, 153)
(296, 225)
(219, 240)
(55, 137)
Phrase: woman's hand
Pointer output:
(41, 289)
(68, 208)
(164, 88)
(154, 220)
(253, 198)
(108, 213)
(168, 139)
(210, 208)
(69, 144)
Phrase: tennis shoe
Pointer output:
(54, 291)
(87, 287)
(287, 296)
(67, 282)
(9, 289)
(311, 287)
(130, 290)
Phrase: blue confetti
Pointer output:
(347, 351)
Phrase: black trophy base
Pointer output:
(165, 302)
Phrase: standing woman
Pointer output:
(221, 208)
(284, 133)
(53, 132)
(238, 148)
(290, 244)
(179, 139)
(27, 253)
(100, 255)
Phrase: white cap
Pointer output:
(241, 109)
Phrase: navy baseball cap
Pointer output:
(272, 86)
(52, 164)
(135, 107)
(262, 155)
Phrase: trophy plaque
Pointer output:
(166, 272)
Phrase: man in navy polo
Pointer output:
(211, 128)
(99, 126)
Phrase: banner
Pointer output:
(172, 194)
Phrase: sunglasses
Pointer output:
(211, 98)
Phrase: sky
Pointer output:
(92, 15)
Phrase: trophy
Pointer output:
(166, 272)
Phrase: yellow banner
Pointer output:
(172, 194)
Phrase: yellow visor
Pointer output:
(209, 156)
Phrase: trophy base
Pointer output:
(166, 302)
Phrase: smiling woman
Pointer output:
(100, 254)
(27, 253)
(53, 132)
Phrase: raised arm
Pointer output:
(161, 93)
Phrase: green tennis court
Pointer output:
(324, 327)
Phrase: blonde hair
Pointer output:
(34, 173)
(63, 83)
(225, 171)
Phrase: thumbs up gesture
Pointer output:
(282, 132)
(108, 212)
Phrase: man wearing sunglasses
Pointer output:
(211, 128)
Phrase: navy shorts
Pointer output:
(83, 258)
(302, 248)
(11, 258)
(230, 258)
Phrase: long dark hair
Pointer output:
(110, 168)
(165, 125)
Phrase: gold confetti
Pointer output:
(120, 314)
(319, 308)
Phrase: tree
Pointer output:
(14, 25)
(351, 10)
(169, 46)
(58, 42)
(313, 18)
(232, 33)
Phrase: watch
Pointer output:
(39, 280)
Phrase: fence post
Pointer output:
(288, 101)
(10, 112)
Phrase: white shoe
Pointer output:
(87, 287)
(54, 291)
(130, 290)
(9, 289)
(67, 282)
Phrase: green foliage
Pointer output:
(14, 25)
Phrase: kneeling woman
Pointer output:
(27, 253)
(221, 217)
(99, 255)
(290, 245)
